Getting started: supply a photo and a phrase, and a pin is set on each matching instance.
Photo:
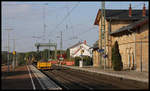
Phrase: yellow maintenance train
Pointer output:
(43, 64)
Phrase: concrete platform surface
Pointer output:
(133, 75)
(26, 77)
(45, 82)
(18, 79)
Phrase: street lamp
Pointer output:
(14, 54)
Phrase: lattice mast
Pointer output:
(103, 37)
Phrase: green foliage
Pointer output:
(116, 58)
(52, 54)
(68, 53)
(28, 55)
(22, 62)
(45, 54)
(10, 57)
(77, 59)
(4, 57)
(87, 61)
(20, 59)
(37, 56)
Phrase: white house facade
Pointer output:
(76, 49)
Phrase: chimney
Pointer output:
(130, 11)
(85, 42)
(144, 11)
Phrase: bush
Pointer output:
(20, 59)
(22, 62)
(4, 57)
(77, 59)
(116, 58)
(86, 61)
(68, 53)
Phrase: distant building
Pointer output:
(75, 50)
(129, 28)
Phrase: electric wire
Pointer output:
(64, 18)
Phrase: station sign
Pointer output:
(14, 52)
(61, 58)
(104, 56)
(100, 50)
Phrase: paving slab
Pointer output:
(19, 79)
(45, 82)
(132, 75)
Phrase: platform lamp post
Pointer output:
(14, 60)
(14, 63)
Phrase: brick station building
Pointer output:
(130, 28)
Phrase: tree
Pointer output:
(52, 53)
(45, 54)
(77, 59)
(20, 58)
(68, 53)
(37, 56)
(4, 57)
(116, 58)
(87, 61)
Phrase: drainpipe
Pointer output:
(141, 56)
(141, 63)
(134, 50)
(129, 59)
(132, 61)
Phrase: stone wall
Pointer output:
(96, 62)
(127, 49)
(117, 24)
(127, 46)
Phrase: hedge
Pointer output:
(87, 61)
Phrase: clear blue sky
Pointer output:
(26, 20)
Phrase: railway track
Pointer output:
(65, 82)
(75, 79)
(103, 81)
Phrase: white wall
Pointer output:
(87, 51)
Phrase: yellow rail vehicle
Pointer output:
(43, 65)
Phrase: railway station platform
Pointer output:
(27, 78)
(130, 74)
(19, 79)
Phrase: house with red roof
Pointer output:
(76, 49)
